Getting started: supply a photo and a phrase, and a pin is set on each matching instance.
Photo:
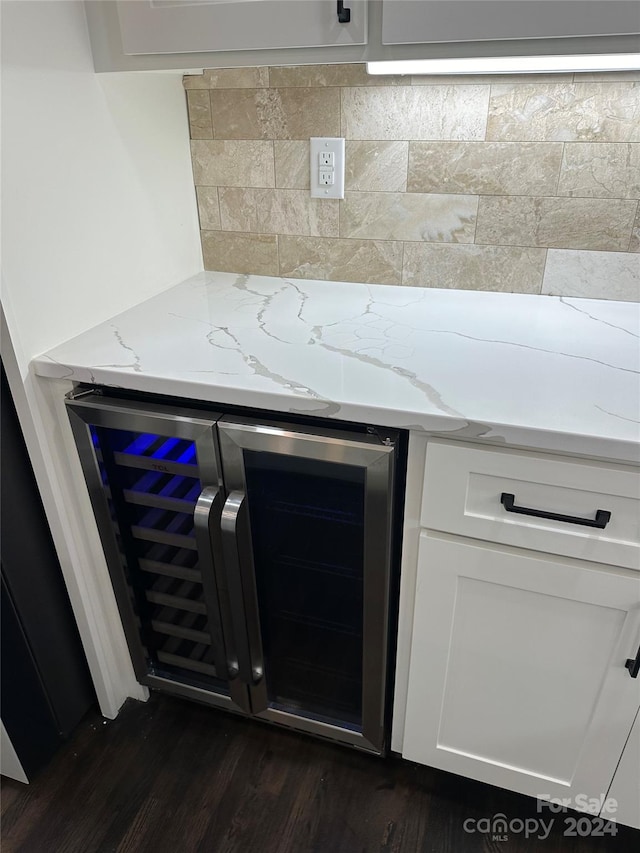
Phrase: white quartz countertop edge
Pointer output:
(544, 372)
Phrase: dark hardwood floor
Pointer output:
(173, 776)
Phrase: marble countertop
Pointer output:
(537, 371)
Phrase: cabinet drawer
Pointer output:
(463, 488)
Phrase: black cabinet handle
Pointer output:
(344, 15)
(603, 517)
(633, 665)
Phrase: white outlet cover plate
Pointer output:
(334, 144)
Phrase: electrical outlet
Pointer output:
(326, 164)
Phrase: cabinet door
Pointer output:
(429, 21)
(155, 486)
(625, 788)
(517, 674)
(167, 26)
(307, 545)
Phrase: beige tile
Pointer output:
(491, 168)
(372, 166)
(598, 112)
(485, 79)
(375, 262)
(505, 268)
(277, 212)
(354, 74)
(600, 169)
(242, 253)
(607, 77)
(208, 208)
(593, 275)
(564, 223)
(194, 81)
(244, 163)
(292, 163)
(228, 78)
(409, 216)
(634, 243)
(199, 107)
(415, 112)
(275, 113)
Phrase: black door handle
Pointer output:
(344, 15)
(603, 516)
(633, 665)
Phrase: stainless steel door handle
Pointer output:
(206, 520)
(238, 561)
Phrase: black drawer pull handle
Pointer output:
(603, 516)
(633, 665)
(344, 15)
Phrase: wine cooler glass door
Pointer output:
(306, 535)
(155, 485)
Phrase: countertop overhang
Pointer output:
(545, 372)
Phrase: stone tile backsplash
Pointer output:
(525, 185)
(564, 112)
(562, 223)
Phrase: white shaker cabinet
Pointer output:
(143, 35)
(434, 21)
(526, 620)
(166, 26)
(517, 675)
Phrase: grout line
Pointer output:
(461, 245)
(200, 228)
(544, 270)
(219, 206)
(402, 265)
(564, 149)
(475, 230)
(213, 129)
(486, 124)
(406, 185)
(635, 219)
(273, 155)
(189, 122)
(210, 120)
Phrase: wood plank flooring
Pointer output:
(177, 777)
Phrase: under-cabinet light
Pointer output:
(509, 64)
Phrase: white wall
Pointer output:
(98, 213)
(98, 201)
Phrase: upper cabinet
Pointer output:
(433, 21)
(144, 35)
(178, 26)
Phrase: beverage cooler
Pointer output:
(251, 559)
